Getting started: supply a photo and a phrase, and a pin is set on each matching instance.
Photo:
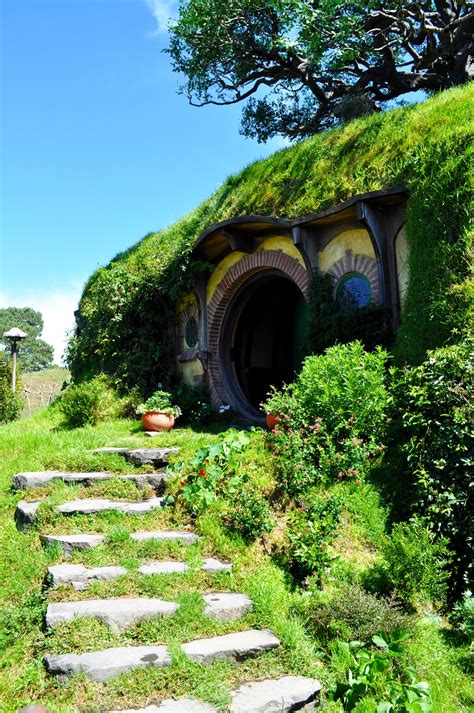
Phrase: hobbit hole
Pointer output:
(242, 328)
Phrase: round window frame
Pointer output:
(340, 286)
(191, 319)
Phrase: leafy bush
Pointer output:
(330, 418)
(10, 403)
(415, 563)
(462, 617)
(212, 470)
(433, 415)
(354, 614)
(311, 529)
(383, 672)
(89, 402)
(248, 513)
(194, 403)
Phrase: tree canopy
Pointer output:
(34, 353)
(306, 65)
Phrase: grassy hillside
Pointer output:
(39, 388)
(128, 303)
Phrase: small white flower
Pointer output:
(432, 360)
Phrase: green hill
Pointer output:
(127, 307)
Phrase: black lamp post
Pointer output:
(14, 336)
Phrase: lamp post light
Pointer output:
(14, 336)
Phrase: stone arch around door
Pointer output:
(271, 261)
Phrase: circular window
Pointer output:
(191, 332)
(354, 291)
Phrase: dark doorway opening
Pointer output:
(266, 334)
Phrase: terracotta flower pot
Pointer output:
(271, 420)
(157, 421)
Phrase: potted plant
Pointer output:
(157, 412)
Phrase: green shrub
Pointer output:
(415, 563)
(10, 403)
(248, 513)
(89, 402)
(462, 617)
(353, 614)
(330, 419)
(432, 419)
(159, 401)
(194, 403)
(311, 529)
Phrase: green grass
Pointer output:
(39, 388)
(42, 442)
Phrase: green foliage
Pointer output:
(311, 528)
(159, 401)
(10, 403)
(194, 403)
(353, 614)
(433, 415)
(383, 671)
(33, 353)
(213, 469)
(415, 564)
(462, 617)
(328, 324)
(330, 418)
(248, 513)
(89, 402)
(128, 308)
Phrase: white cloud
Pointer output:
(57, 308)
(163, 11)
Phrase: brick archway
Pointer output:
(234, 279)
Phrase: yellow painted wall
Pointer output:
(192, 371)
(188, 300)
(401, 254)
(220, 271)
(357, 240)
(285, 245)
(277, 242)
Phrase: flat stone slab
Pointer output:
(69, 543)
(25, 513)
(184, 705)
(25, 481)
(92, 505)
(282, 695)
(231, 647)
(142, 456)
(187, 538)
(81, 577)
(102, 665)
(212, 565)
(119, 614)
(226, 606)
(150, 456)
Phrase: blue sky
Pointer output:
(97, 147)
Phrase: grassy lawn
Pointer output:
(40, 387)
(43, 443)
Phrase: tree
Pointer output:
(34, 353)
(315, 63)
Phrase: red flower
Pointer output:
(202, 473)
(182, 482)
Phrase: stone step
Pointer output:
(283, 695)
(183, 705)
(142, 456)
(25, 513)
(226, 606)
(25, 481)
(69, 543)
(81, 577)
(231, 647)
(102, 665)
(187, 538)
(119, 614)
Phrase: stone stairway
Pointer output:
(288, 693)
